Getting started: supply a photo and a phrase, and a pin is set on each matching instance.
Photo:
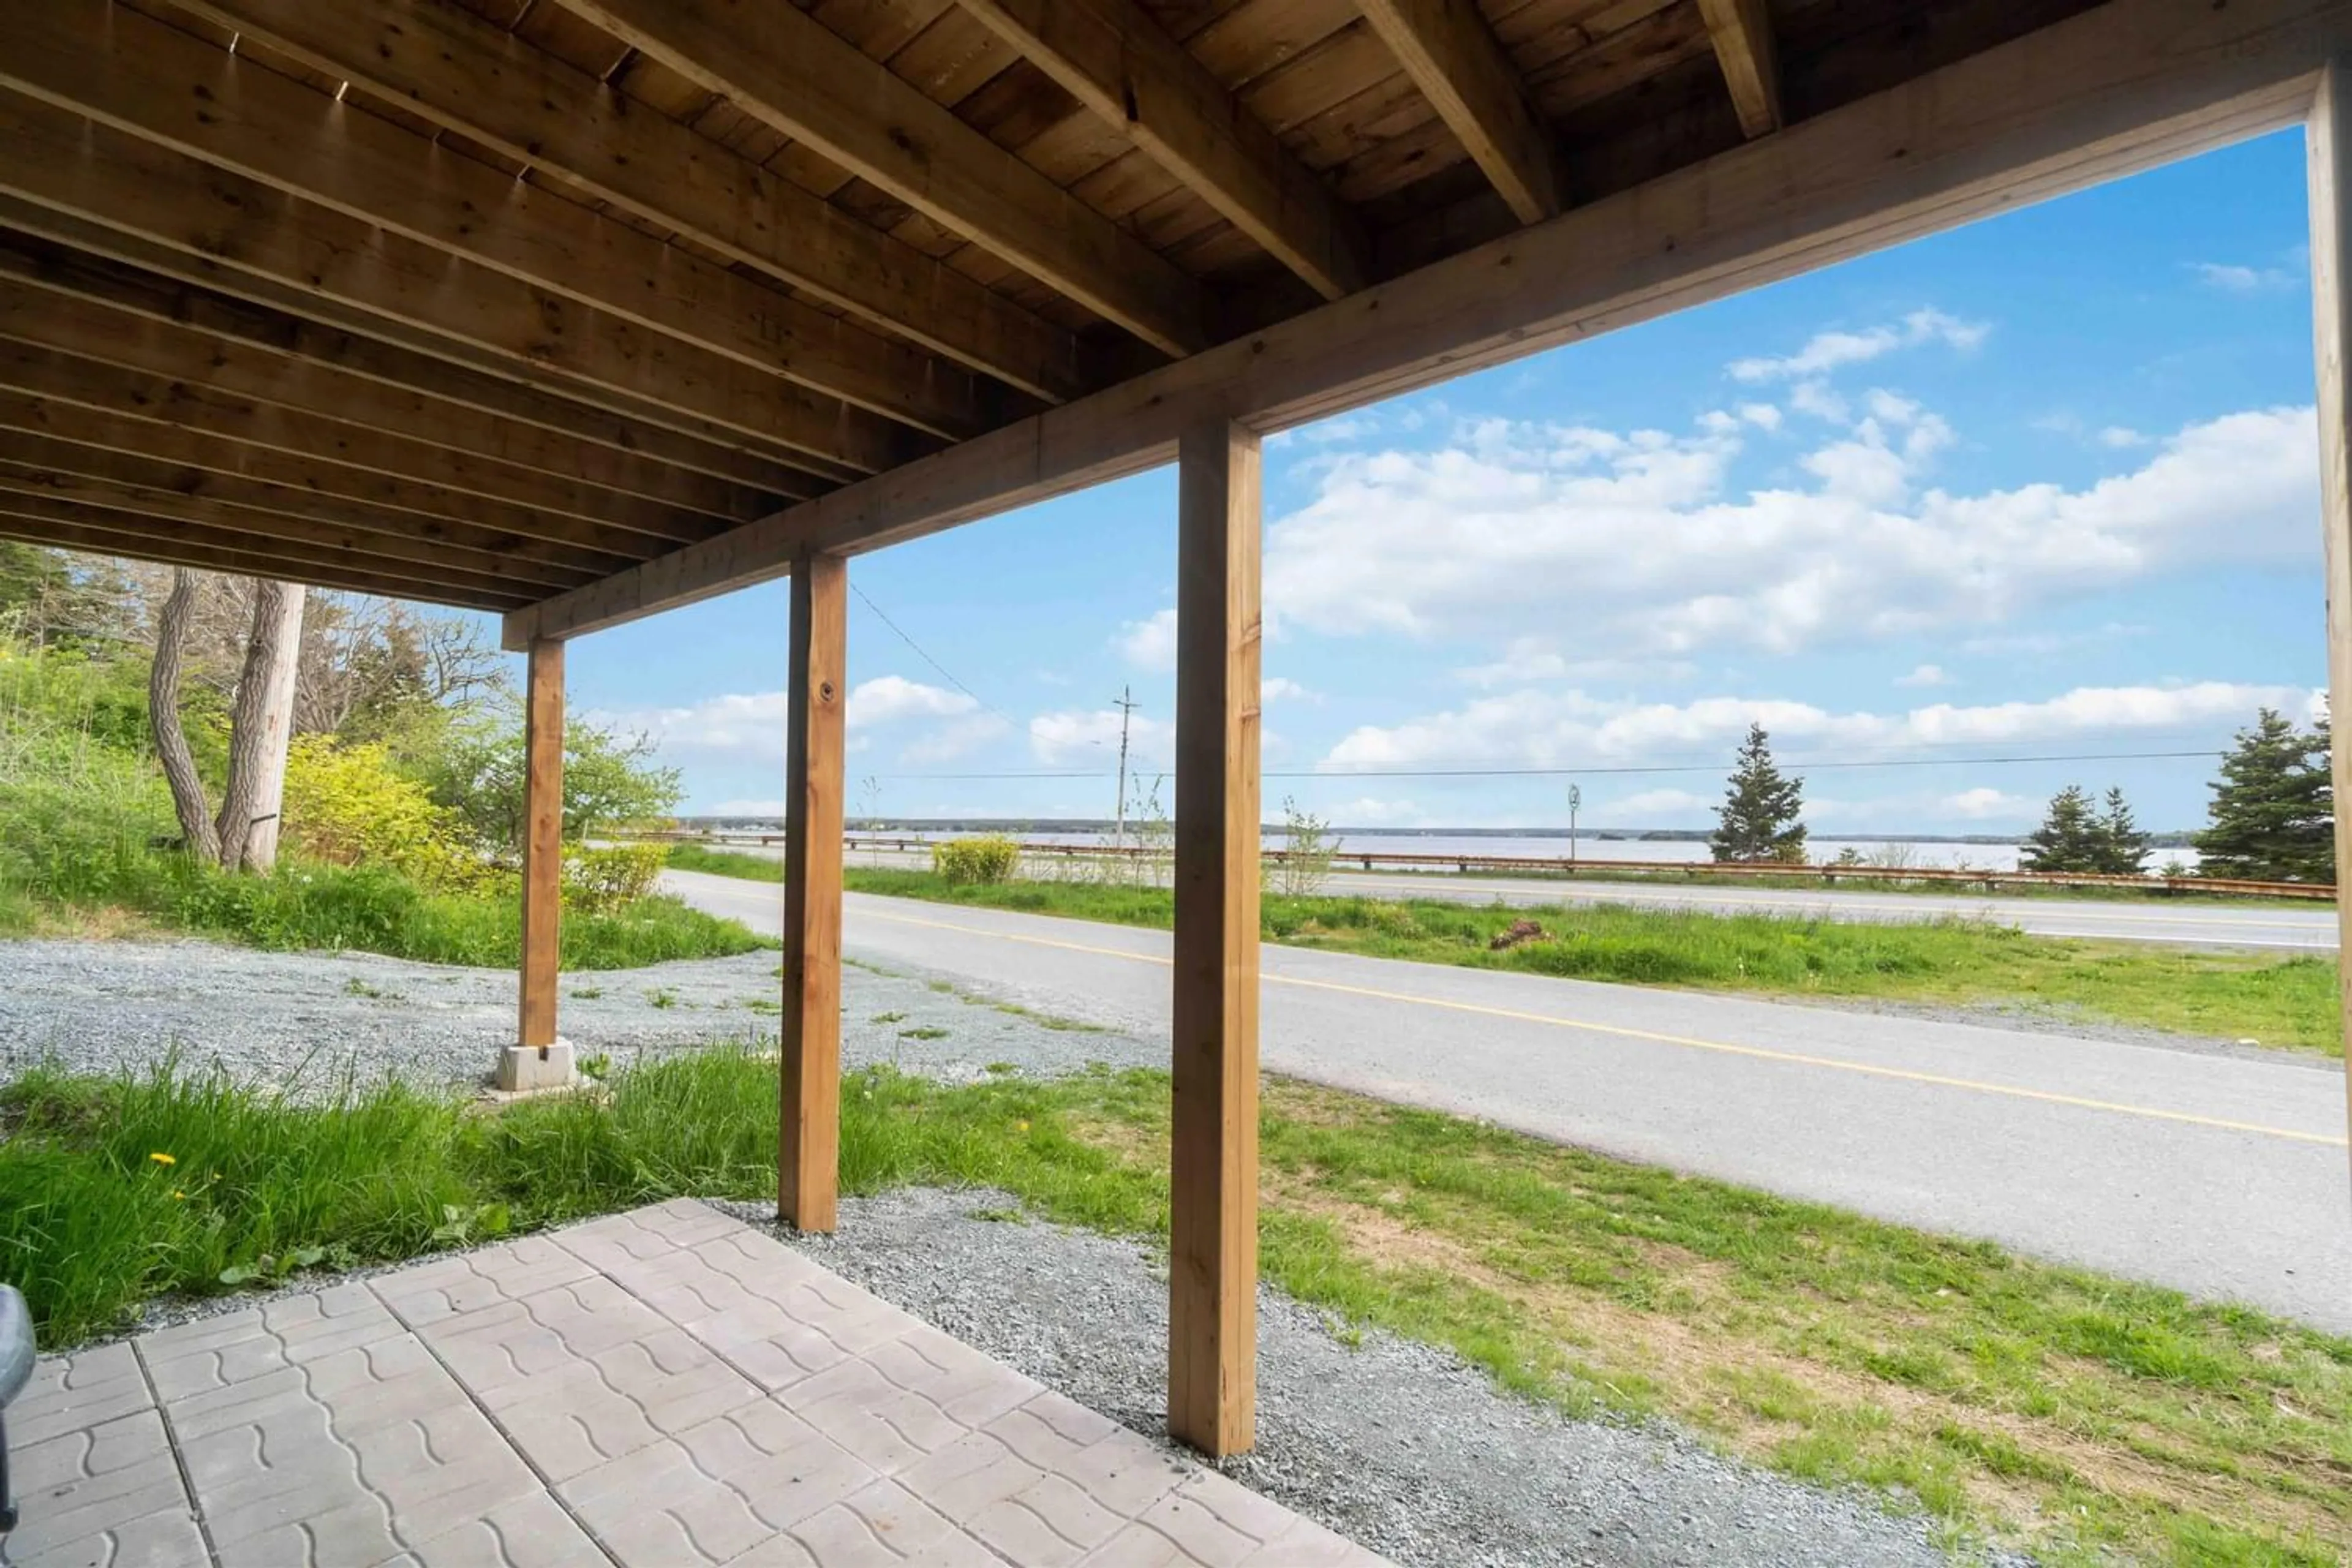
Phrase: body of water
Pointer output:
(2000, 856)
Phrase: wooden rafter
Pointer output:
(1451, 54)
(786, 69)
(1741, 31)
(155, 81)
(600, 465)
(1114, 57)
(97, 476)
(232, 227)
(176, 540)
(430, 511)
(2127, 86)
(467, 74)
(147, 410)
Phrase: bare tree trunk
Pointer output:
(163, 717)
(261, 724)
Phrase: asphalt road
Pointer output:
(2222, 1175)
(2257, 926)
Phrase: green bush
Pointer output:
(976, 862)
(346, 806)
(599, 881)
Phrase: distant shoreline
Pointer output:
(2174, 840)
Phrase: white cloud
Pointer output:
(1924, 674)
(1282, 688)
(1568, 728)
(1061, 739)
(1641, 546)
(1532, 659)
(888, 699)
(2234, 279)
(2121, 437)
(1150, 644)
(750, 723)
(1763, 415)
(1985, 802)
(1829, 351)
(1815, 398)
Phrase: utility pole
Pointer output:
(1126, 712)
(1575, 799)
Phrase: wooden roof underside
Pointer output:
(485, 302)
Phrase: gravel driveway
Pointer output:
(1400, 1445)
(98, 1006)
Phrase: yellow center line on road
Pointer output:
(1721, 1048)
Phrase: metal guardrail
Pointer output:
(1603, 869)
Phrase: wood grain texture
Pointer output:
(108, 444)
(786, 69)
(134, 535)
(467, 74)
(2329, 140)
(1741, 31)
(536, 504)
(1114, 57)
(2128, 86)
(1212, 1170)
(231, 225)
(816, 707)
(542, 843)
(1447, 48)
(129, 303)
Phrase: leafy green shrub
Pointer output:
(976, 862)
(599, 881)
(347, 806)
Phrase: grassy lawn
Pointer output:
(2289, 1002)
(2086, 1418)
(336, 908)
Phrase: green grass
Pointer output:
(2086, 1418)
(727, 863)
(336, 908)
(2288, 1002)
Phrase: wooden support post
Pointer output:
(1212, 1232)
(808, 1176)
(2330, 165)
(537, 1059)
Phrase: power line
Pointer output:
(945, 674)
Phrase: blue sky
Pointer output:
(2044, 484)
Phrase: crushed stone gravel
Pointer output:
(302, 1018)
(1403, 1446)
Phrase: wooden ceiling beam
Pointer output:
(1452, 56)
(154, 80)
(2124, 87)
(180, 541)
(783, 66)
(235, 228)
(1741, 31)
(649, 479)
(469, 488)
(1113, 57)
(466, 74)
(461, 519)
(97, 476)
(149, 518)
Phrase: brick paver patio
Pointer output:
(667, 1387)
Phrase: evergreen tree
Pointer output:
(2272, 818)
(2123, 848)
(1760, 808)
(2071, 837)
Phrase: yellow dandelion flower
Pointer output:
(163, 1159)
(1021, 1127)
(177, 1194)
